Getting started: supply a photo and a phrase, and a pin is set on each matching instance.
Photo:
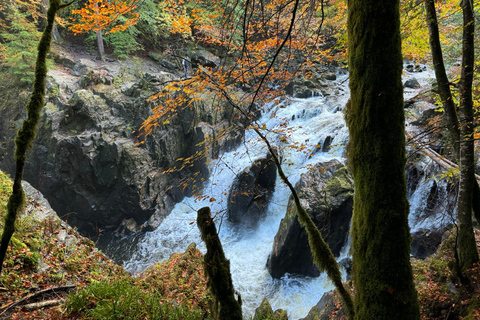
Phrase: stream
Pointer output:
(300, 121)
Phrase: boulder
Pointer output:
(426, 242)
(412, 83)
(265, 312)
(326, 193)
(327, 308)
(80, 68)
(251, 191)
(202, 57)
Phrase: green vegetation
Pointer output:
(19, 41)
(45, 252)
(124, 299)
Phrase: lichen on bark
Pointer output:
(382, 272)
(26, 134)
(217, 269)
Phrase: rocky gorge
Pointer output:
(101, 175)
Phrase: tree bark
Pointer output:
(217, 269)
(450, 116)
(382, 273)
(100, 46)
(26, 135)
(467, 248)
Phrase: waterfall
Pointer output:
(303, 121)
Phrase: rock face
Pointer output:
(86, 160)
(326, 309)
(251, 191)
(265, 311)
(432, 206)
(327, 195)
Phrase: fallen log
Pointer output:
(13, 304)
(442, 161)
(42, 304)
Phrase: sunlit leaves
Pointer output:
(103, 15)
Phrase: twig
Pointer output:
(43, 304)
(7, 307)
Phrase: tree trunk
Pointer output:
(467, 248)
(100, 46)
(217, 269)
(26, 134)
(450, 116)
(101, 49)
(382, 272)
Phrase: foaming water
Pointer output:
(307, 123)
(297, 128)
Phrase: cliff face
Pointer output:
(86, 159)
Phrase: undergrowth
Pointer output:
(46, 253)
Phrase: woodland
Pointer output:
(117, 114)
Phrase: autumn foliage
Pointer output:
(103, 15)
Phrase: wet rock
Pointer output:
(327, 143)
(327, 195)
(412, 83)
(303, 92)
(346, 264)
(330, 76)
(202, 57)
(265, 312)
(326, 309)
(251, 191)
(426, 242)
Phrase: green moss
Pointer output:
(217, 268)
(376, 154)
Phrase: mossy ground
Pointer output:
(49, 254)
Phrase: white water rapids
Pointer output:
(308, 121)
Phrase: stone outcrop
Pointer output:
(327, 194)
(265, 312)
(86, 160)
(251, 191)
(327, 308)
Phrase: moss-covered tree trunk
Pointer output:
(382, 273)
(467, 248)
(26, 134)
(450, 116)
(217, 269)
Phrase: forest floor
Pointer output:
(51, 272)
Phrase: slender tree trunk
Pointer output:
(26, 134)
(100, 46)
(382, 273)
(217, 269)
(450, 116)
(467, 248)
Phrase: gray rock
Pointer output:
(202, 57)
(251, 191)
(412, 83)
(326, 193)
(326, 309)
(330, 76)
(85, 159)
(426, 242)
(80, 68)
